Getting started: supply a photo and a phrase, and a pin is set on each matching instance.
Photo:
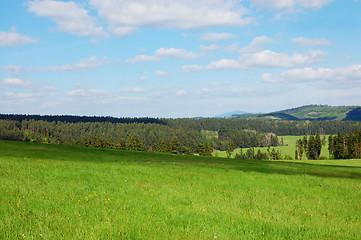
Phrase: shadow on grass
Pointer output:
(33, 151)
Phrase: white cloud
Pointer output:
(13, 38)
(22, 96)
(307, 42)
(133, 89)
(13, 69)
(19, 83)
(142, 58)
(337, 75)
(15, 82)
(176, 53)
(125, 16)
(161, 73)
(191, 68)
(208, 48)
(290, 4)
(266, 58)
(91, 62)
(216, 36)
(69, 16)
(181, 92)
(257, 44)
(85, 92)
(224, 64)
(163, 53)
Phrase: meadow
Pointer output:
(66, 192)
(288, 148)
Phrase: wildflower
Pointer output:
(203, 210)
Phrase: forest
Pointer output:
(185, 136)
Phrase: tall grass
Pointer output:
(61, 192)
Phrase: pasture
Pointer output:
(65, 192)
(288, 148)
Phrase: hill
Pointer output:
(312, 113)
(232, 114)
(64, 192)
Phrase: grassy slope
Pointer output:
(308, 112)
(321, 112)
(289, 148)
(62, 192)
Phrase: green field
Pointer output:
(63, 192)
(289, 148)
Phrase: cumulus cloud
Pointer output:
(69, 16)
(181, 92)
(307, 42)
(12, 39)
(266, 58)
(257, 44)
(13, 69)
(91, 62)
(161, 73)
(339, 75)
(85, 92)
(142, 58)
(208, 48)
(132, 89)
(216, 36)
(290, 4)
(19, 83)
(163, 53)
(15, 82)
(191, 68)
(224, 64)
(176, 53)
(125, 16)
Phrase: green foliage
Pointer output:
(346, 146)
(311, 147)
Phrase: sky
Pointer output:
(177, 58)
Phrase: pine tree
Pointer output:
(317, 145)
(230, 149)
(311, 151)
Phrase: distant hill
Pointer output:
(312, 113)
(235, 113)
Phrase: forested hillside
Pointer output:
(185, 136)
(313, 113)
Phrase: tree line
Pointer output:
(340, 146)
(345, 145)
(188, 136)
(280, 128)
(133, 136)
(309, 147)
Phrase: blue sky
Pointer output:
(167, 58)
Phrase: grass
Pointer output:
(62, 192)
(289, 148)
